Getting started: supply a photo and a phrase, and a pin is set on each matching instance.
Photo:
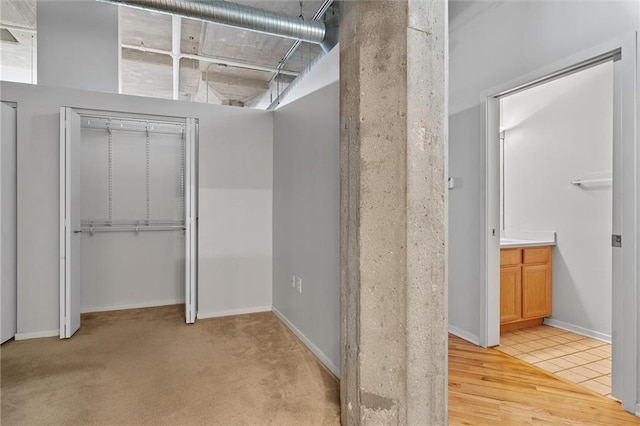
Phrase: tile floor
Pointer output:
(576, 358)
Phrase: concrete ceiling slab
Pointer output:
(227, 84)
(150, 74)
(18, 59)
(19, 13)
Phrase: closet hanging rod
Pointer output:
(141, 222)
(579, 182)
(136, 229)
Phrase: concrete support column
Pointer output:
(393, 212)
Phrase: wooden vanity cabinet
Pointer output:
(525, 286)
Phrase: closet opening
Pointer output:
(128, 209)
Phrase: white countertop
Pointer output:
(510, 239)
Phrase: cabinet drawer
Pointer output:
(510, 256)
(537, 255)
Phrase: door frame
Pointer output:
(191, 221)
(626, 160)
(8, 216)
(190, 152)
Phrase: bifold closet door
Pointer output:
(8, 291)
(191, 224)
(70, 222)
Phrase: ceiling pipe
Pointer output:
(331, 38)
(311, 65)
(239, 16)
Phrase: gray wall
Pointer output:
(78, 44)
(306, 220)
(235, 177)
(492, 43)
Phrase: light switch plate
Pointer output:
(299, 282)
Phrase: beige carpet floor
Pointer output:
(145, 366)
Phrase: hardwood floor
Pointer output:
(488, 387)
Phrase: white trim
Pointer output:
(313, 348)
(91, 309)
(578, 330)
(190, 221)
(231, 312)
(62, 218)
(37, 334)
(464, 335)
(637, 413)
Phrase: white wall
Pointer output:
(306, 220)
(235, 213)
(78, 44)
(556, 133)
(234, 199)
(492, 43)
(127, 269)
(122, 270)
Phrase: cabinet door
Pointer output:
(510, 294)
(536, 291)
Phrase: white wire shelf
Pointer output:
(92, 227)
(580, 182)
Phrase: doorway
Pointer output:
(622, 54)
(128, 198)
(556, 218)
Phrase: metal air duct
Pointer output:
(239, 16)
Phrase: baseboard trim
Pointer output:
(231, 312)
(313, 348)
(37, 334)
(578, 330)
(132, 306)
(464, 335)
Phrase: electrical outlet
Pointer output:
(299, 282)
(293, 281)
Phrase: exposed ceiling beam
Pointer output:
(211, 60)
(11, 27)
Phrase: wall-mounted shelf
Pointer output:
(92, 227)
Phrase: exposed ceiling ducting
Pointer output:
(240, 16)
